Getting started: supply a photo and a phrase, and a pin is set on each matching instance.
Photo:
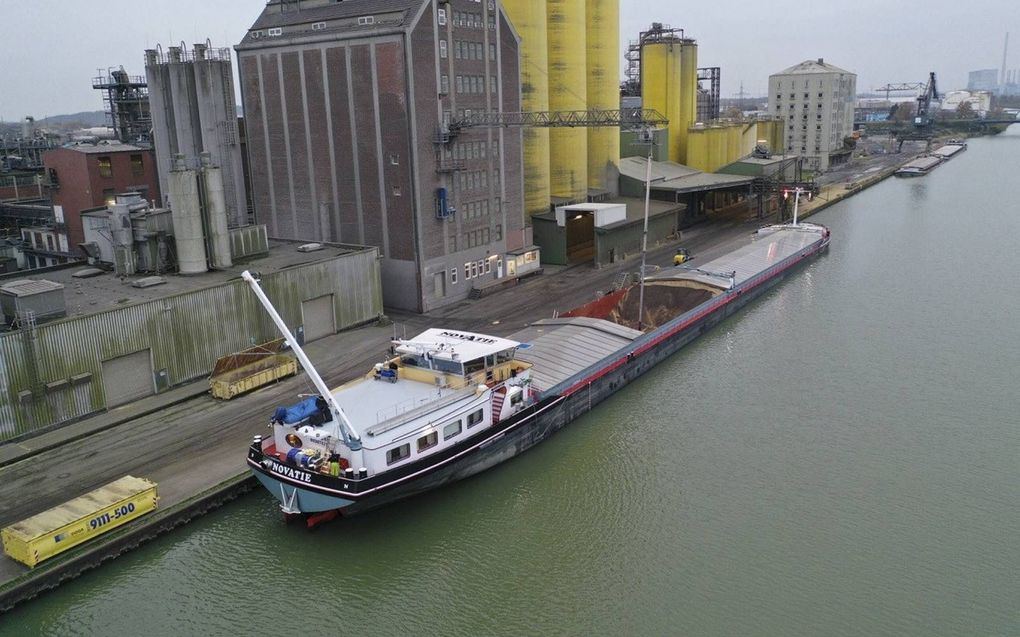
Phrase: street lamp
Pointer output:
(797, 192)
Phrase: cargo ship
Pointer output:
(448, 404)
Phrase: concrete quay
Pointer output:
(193, 445)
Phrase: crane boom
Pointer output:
(626, 118)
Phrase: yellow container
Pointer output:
(568, 147)
(252, 376)
(529, 18)
(54, 531)
(603, 41)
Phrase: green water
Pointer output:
(842, 458)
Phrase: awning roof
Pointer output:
(668, 175)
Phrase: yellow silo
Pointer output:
(568, 147)
(529, 18)
(603, 42)
(688, 93)
(660, 87)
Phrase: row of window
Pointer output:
(105, 165)
(467, 50)
(431, 439)
(472, 150)
(475, 269)
(474, 84)
(472, 180)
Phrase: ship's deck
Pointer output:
(762, 253)
(369, 403)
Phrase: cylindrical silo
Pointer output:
(688, 92)
(186, 213)
(603, 61)
(216, 214)
(660, 87)
(568, 147)
(184, 105)
(529, 18)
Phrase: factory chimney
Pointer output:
(1002, 82)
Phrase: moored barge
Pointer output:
(448, 404)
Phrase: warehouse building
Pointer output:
(816, 100)
(126, 338)
(345, 107)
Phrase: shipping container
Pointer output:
(51, 532)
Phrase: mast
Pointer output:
(351, 437)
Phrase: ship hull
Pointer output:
(560, 405)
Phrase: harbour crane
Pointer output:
(923, 120)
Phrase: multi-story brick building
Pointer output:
(345, 105)
(817, 101)
(86, 176)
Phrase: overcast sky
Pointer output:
(52, 48)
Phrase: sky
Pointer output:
(52, 48)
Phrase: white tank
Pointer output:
(216, 213)
(186, 212)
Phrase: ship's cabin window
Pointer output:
(403, 452)
(473, 366)
(474, 418)
(516, 398)
(490, 360)
(429, 440)
(505, 356)
(451, 429)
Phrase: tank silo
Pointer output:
(216, 214)
(603, 90)
(186, 212)
(660, 85)
(688, 91)
(529, 18)
(185, 105)
(568, 147)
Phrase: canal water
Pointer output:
(842, 458)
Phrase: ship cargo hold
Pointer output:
(919, 167)
(450, 404)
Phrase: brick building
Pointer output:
(345, 105)
(86, 176)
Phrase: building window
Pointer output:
(499, 231)
(396, 191)
(394, 159)
(474, 273)
(318, 26)
(442, 17)
(105, 167)
(467, 271)
(444, 84)
(458, 49)
(366, 20)
(474, 418)
(442, 48)
(428, 441)
(257, 34)
(459, 83)
(453, 273)
(403, 452)
(137, 165)
(492, 51)
(275, 31)
(452, 429)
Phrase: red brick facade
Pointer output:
(86, 176)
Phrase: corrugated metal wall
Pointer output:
(61, 363)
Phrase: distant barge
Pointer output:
(449, 404)
(923, 165)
